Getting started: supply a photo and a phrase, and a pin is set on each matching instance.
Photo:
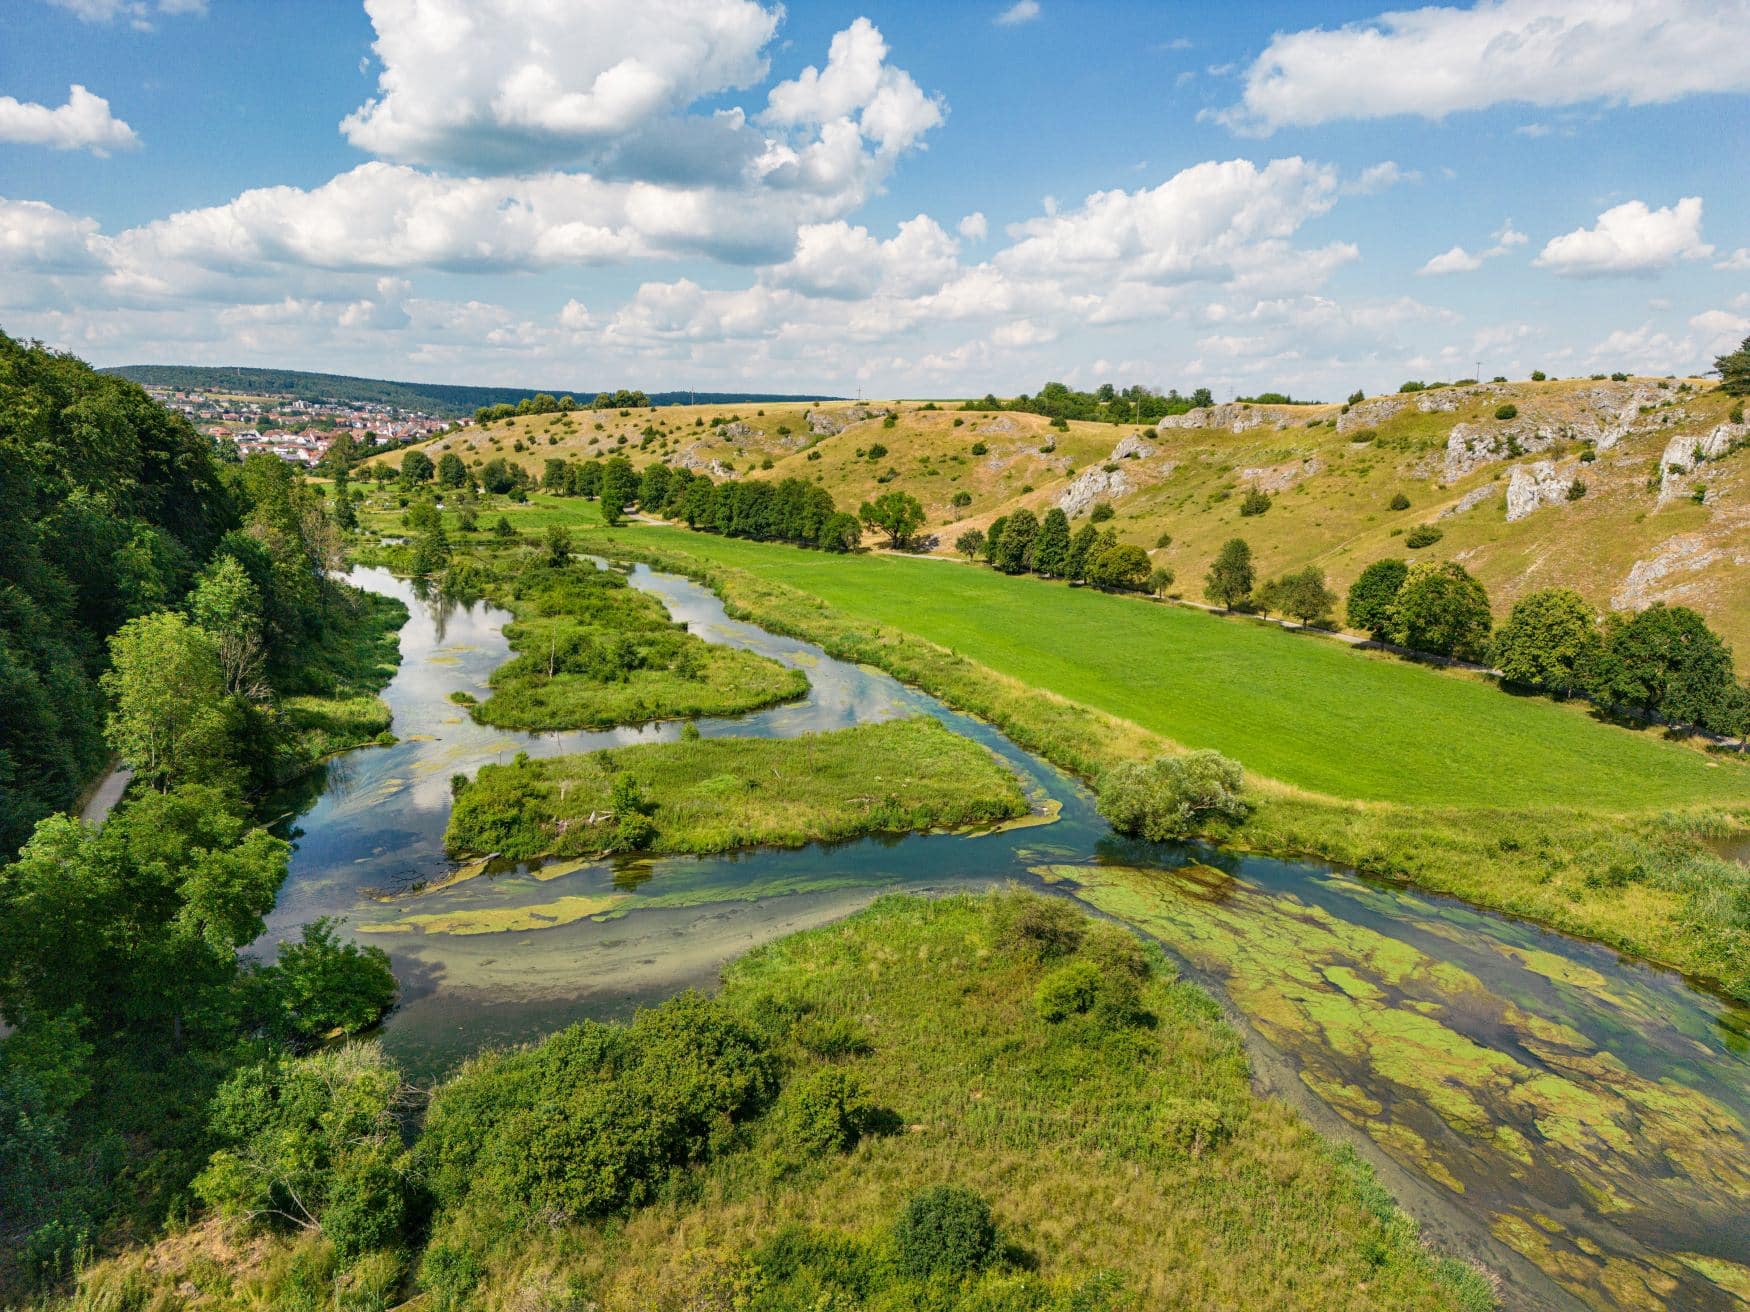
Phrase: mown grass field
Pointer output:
(1294, 706)
(720, 794)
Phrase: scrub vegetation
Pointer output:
(919, 1107)
(718, 794)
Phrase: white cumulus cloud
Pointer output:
(83, 123)
(1022, 11)
(1456, 260)
(517, 84)
(1630, 239)
(1441, 60)
(975, 227)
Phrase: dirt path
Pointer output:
(101, 800)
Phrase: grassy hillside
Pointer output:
(1632, 538)
(1006, 1045)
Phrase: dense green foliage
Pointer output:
(591, 1121)
(1549, 642)
(108, 506)
(1369, 605)
(1302, 595)
(176, 608)
(719, 794)
(1106, 404)
(1231, 575)
(1171, 796)
(1734, 370)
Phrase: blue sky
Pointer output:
(902, 198)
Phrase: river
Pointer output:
(1576, 1121)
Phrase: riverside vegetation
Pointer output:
(992, 1103)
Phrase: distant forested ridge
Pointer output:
(431, 398)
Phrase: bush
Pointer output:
(830, 1039)
(1576, 489)
(1255, 503)
(1082, 988)
(979, 448)
(1538, 375)
(1423, 535)
(592, 1120)
(1041, 928)
(1508, 411)
(1400, 502)
(1362, 436)
(1101, 512)
(962, 499)
(825, 1111)
(1067, 991)
(1168, 797)
(1163, 541)
(945, 1229)
(449, 1274)
(1192, 1126)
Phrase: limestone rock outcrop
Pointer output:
(1090, 486)
(1686, 451)
(1535, 485)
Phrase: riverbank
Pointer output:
(1116, 1140)
(330, 702)
(1644, 880)
(701, 796)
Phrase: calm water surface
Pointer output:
(1575, 1121)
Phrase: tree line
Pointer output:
(545, 403)
(1106, 404)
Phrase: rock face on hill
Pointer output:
(694, 460)
(1686, 451)
(1370, 414)
(1602, 414)
(1090, 486)
(826, 423)
(1534, 485)
(1279, 478)
(737, 429)
(1233, 416)
(1134, 447)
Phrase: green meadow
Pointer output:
(1297, 707)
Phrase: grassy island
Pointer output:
(594, 652)
(718, 794)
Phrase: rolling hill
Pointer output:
(1590, 484)
(445, 399)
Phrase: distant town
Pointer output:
(297, 430)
